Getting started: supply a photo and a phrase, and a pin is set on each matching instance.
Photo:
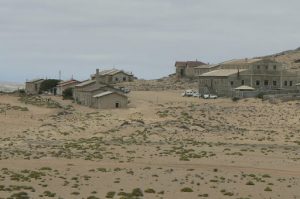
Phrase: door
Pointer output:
(117, 105)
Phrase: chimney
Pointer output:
(97, 76)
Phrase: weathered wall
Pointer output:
(109, 101)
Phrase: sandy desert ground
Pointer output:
(163, 146)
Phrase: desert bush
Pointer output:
(187, 189)
(68, 94)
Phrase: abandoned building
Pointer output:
(263, 75)
(88, 93)
(63, 85)
(113, 76)
(109, 100)
(33, 87)
(187, 69)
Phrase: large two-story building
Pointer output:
(260, 74)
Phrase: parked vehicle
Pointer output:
(187, 93)
(196, 94)
(210, 96)
(125, 90)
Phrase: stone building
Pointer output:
(199, 70)
(88, 93)
(263, 75)
(33, 87)
(113, 76)
(63, 85)
(186, 69)
(109, 99)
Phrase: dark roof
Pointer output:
(96, 87)
(85, 83)
(189, 63)
(65, 83)
(35, 81)
(111, 72)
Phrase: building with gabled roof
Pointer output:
(109, 99)
(85, 92)
(186, 69)
(32, 87)
(63, 85)
(112, 76)
(260, 74)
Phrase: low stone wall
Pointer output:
(283, 97)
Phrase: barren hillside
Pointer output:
(290, 57)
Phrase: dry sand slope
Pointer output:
(163, 146)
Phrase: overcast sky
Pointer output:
(40, 37)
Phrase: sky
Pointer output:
(39, 38)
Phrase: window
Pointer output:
(266, 82)
(243, 82)
(231, 83)
(257, 83)
(266, 67)
(274, 67)
(116, 79)
(274, 83)
(285, 83)
(258, 67)
(291, 83)
(124, 79)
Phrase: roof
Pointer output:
(35, 81)
(65, 83)
(207, 66)
(189, 63)
(222, 72)
(107, 93)
(112, 72)
(95, 87)
(246, 88)
(85, 83)
(241, 61)
(298, 84)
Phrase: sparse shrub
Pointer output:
(250, 183)
(68, 94)
(110, 194)
(268, 189)
(149, 191)
(137, 192)
(187, 189)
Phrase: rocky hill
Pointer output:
(165, 83)
(290, 57)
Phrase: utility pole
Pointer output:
(59, 75)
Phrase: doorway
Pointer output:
(117, 105)
(181, 72)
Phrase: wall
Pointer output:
(33, 87)
(109, 101)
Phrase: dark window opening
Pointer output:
(285, 83)
(124, 78)
(266, 83)
(274, 67)
(291, 83)
(117, 105)
(181, 72)
(267, 67)
(274, 83)
(257, 82)
(231, 83)
(243, 82)
(258, 67)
